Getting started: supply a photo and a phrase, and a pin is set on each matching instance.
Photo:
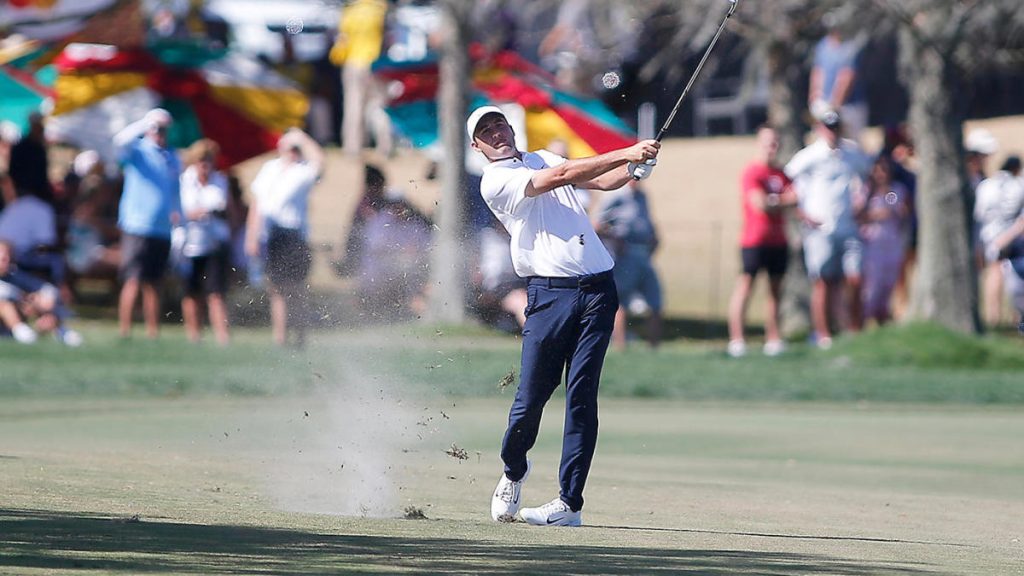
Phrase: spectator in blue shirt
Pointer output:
(150, 206)
(835, 79)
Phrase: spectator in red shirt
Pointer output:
(766, 193)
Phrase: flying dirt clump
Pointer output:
(457, 453)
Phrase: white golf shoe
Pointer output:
(505, 502)
(554, 513)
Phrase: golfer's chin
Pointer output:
(502, 153)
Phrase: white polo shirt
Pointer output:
(825, 180)
(282, 191)
(551, 233)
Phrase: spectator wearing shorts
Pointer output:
(766, 192)
(207, 246)
(826, 175)
(150, 205)
(624, 224)
(279, 220)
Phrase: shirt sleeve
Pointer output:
(261, 183)
(504, 188)
(796, 166)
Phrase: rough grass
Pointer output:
(917, 363)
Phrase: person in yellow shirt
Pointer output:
(360, 37)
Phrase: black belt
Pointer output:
(571, 281)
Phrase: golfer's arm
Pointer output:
(583, 172)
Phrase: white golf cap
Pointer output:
(477, 115)
(981, 141)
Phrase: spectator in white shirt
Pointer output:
(204, 203)
(279, 219)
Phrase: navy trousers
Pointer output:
(568, 326)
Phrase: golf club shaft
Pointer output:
(693, 77)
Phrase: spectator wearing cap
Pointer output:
(279, 220)
(979, 145)
(827, 174)
(150, 205)
(999, 201)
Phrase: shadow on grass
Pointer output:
(32, 539)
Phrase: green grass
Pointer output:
(127, 457)
(206, 485)
(917, 363)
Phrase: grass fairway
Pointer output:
(128, 458)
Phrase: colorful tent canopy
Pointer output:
(229, 98)
(585, 124)
(23, 93)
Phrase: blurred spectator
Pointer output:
(9, 135)
(394, 267)
(766, 192)
(623, 222)
(979, 145)
(30, 225)
(204, 204)
(1009, 246)
(495, 26)
(571, 48)
(835, 79)
(29, 165)
(501, 292)
(150, 205)
(900, 150)
(92, 239)
(238, 213)
(884, 217)
(371, 202)
(24, 298)
(825, 175)
(165, 25)
(360, 38)
(999, 201)
(279, 219)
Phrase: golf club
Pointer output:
(640, 171)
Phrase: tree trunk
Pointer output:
(945, 289)
(786, 97)
(448, 263)
(785, 105)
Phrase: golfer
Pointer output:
(571, 300)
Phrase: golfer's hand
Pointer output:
(643, 151)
